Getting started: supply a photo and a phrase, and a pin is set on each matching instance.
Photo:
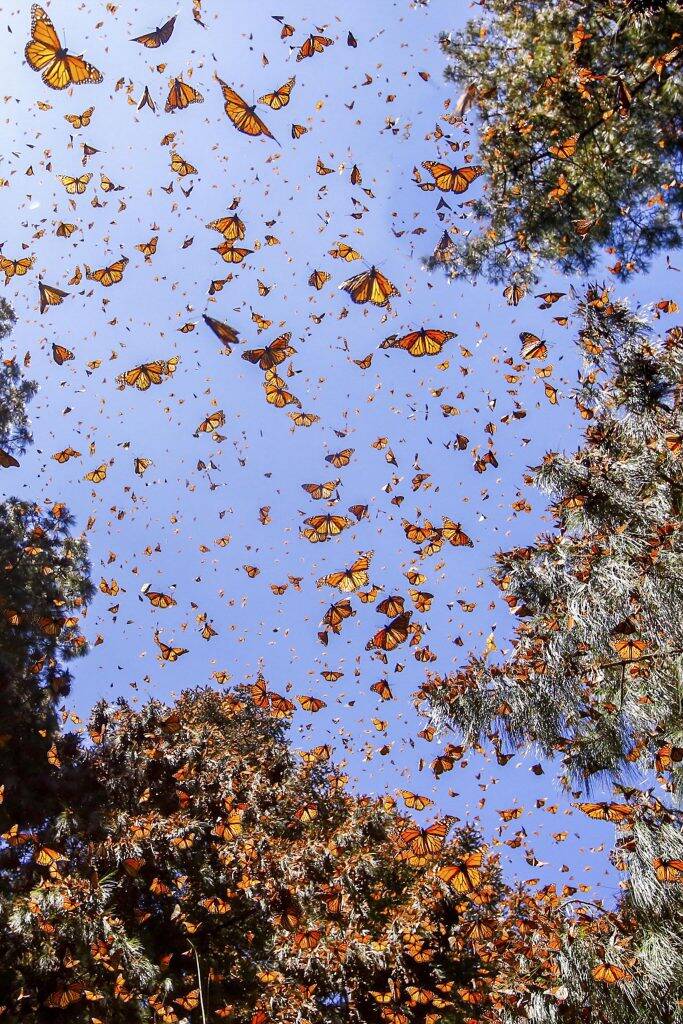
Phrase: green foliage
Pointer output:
(595, 670)
(44, 587)
(580, 116)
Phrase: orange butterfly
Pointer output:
(181, 95)
(159, 36)
(349, 579)
(45, 53)
(314, 44)
(450, 179)
(280, 98)
(107, 276)
(465, 876)
(370, 286)
(242, 115)
(50, 296)
(389, 637)
(610, 974)
(324, 527)
(420, 343)
(228, 335)
(272, 355)
(18, 267)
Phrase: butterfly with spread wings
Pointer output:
(243, 116)
(370, 286)
(280, 97)
(272, 355)
(451, 179)
(152, 40)
(420, 343)
(181, 95)
(46, 54)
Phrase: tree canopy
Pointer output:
(580, 115)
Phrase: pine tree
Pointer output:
(204, 870)
(580, 116)
(44, 587)
(594, 674)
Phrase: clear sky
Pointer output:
(367, 106)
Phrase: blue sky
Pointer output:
(161, 529)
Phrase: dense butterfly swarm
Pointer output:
(334, 905)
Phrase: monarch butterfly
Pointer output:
(96, 476)
(318, 279)
(415, 801)
(340, 459)
(324, 527)
(231, 253)
(147, 100)
(321, 169)
(159, 600)
(107, 185)
(312, 704)
(336, 613)
(549, 298)
(312, 45)
(280, 98)
(391, 606)
(242, 115)
(514, 293)
(298, 130)
(272, 355)
(228, 335)
(451, 179)
(18, 267)
(277, 394)
(444, 249)
(144, 375)
(50, 296)
(80, 120)
(75, 186)
(425, 842)
(349, 579)
(565, 150)
(370, 286)
(168, 653)
(603, 811)
(7, 460)
(368, 596)
(454, 534)
(46, 856)
(629, 649)
(232, 228)
(668, 870)
(141, 465)
(65, 996)
(152, 40)
(417, 533)
(389, 637)
(382, 689)
(65, 230)
(107, 276)
(342, 251)
(420, 343)
(211, 423)
(61, 354)
(321, 491)
(65, 455)
(148, 249)
(181, 95)
(303, 419)
(532, 346)
(610, 974)
(45, 53)
(181, 167)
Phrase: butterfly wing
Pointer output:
(42, 49)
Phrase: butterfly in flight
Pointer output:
(46, 54)
(244, 117)
(370, 286)
(159, 36)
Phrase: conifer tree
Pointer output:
(44, 588)
(204, 870)
(580, 133)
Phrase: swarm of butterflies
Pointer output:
(431, 538)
